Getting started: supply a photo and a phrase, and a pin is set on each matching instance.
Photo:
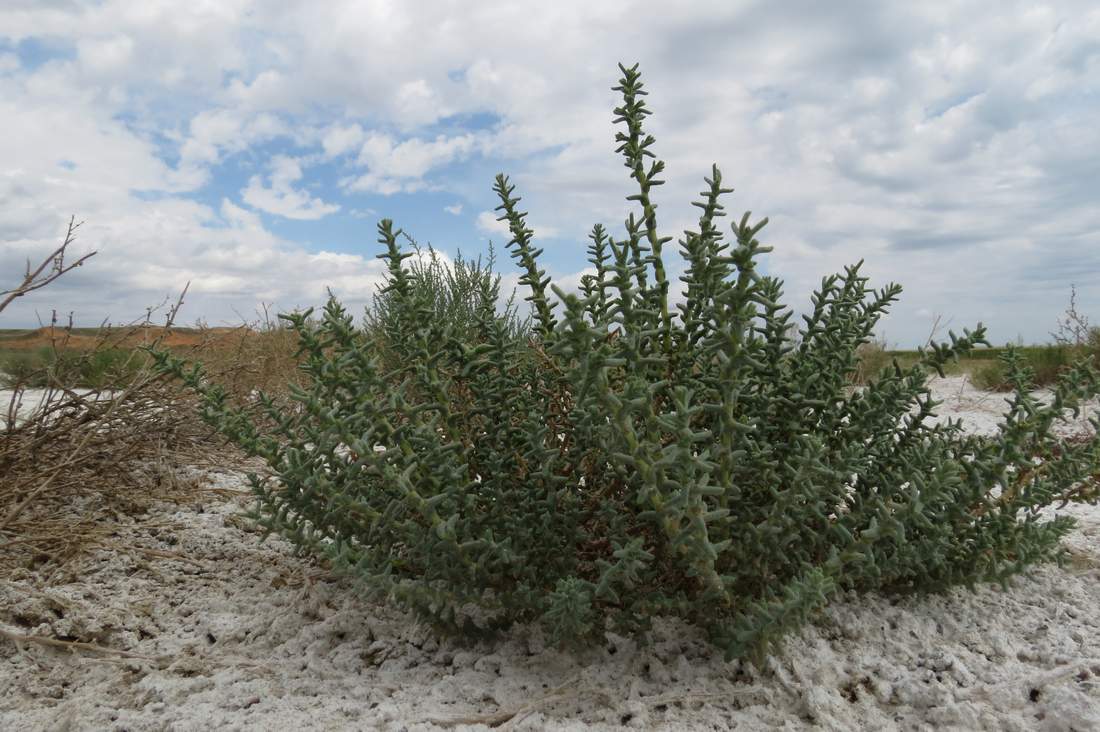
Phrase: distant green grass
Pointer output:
(39, 366)
(44, 366)
(987, 372)
(15, 334)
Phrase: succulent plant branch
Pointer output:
(594, 470)
(635, 144)
(526, 255)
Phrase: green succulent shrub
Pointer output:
(625, 456)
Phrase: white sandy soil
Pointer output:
(220, 632)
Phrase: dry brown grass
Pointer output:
(127, 336)
(873, 357)
(79, 465)
(86, 464)
(83, 462)
(258, 356)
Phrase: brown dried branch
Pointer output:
(67, 645)
(52, 267)
(116, 401)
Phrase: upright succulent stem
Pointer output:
(634, 147)
(525, 255)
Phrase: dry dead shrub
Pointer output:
(84, 462)
(77, 464)
(873, 357)
(260, 355)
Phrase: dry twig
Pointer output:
(42, 640)
(39, 277)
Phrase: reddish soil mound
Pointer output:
(89, 338)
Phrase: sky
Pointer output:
(250, 148)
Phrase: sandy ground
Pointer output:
(208, 629)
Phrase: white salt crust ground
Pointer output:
(26, 402)
(246, 636)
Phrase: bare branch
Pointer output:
(1073, 326)
(51, 267)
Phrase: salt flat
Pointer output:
(222, 632)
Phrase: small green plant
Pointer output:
(623, 458)
(990, 375)
(1046, 364)
(18, 367)
(1050, 362)
(48, 367)
(453, 293)
(1092, 346)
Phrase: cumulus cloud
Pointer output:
(66, 154)
(106, 55)
(488, 223)
(213, 133)
(400, 166)
(341, 139)
(952, 148)
(280, 197)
